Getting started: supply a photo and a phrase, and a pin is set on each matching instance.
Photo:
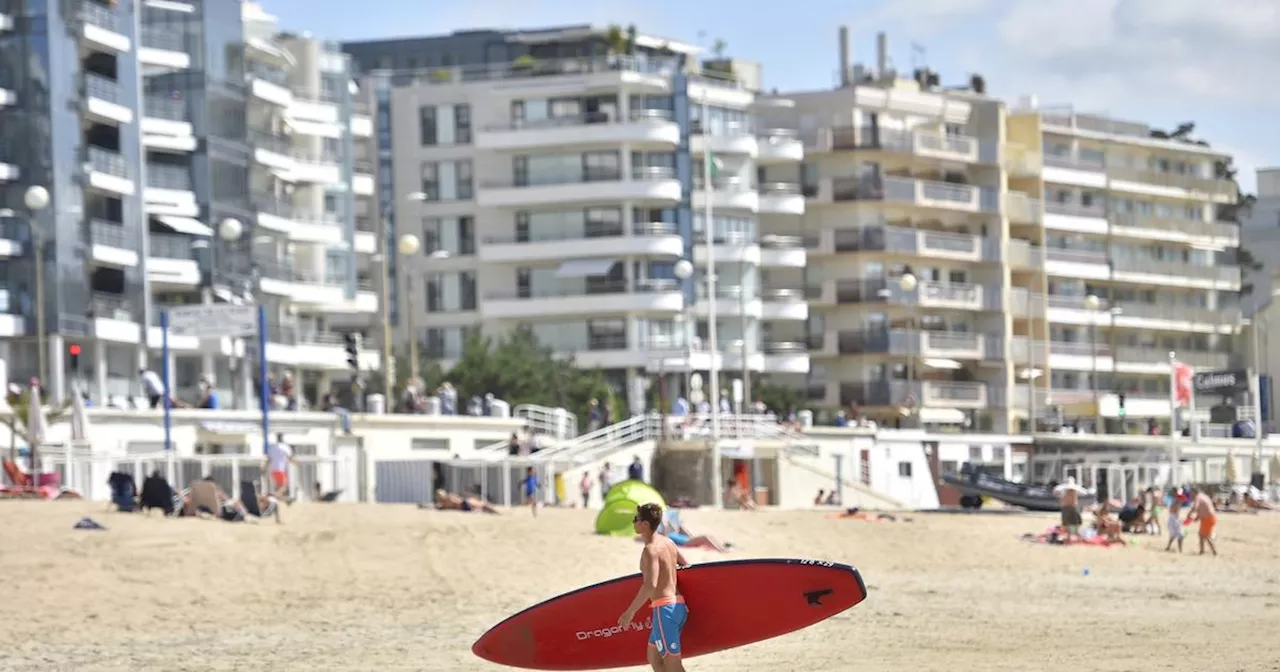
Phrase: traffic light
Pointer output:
(74, 351)
(1120, 397)
(352, 346)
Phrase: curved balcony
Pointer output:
(784, 304)
(730, 301)
(646, 296)
(786, 357)
(731, 247)
(657, 239)
(648, 185)
(779, 145)
(724, 139)
(783, 251)
(781, 198)
(727, 193)
(642, 127)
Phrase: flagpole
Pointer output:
(713, 348)
(1173, 420)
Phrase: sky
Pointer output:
(1163, 62)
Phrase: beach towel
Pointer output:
(1056, 536)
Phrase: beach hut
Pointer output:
(621, 504)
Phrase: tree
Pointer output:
(616, 40)
(631, 40)
(719, 48)
(780, 399)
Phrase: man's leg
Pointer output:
(672, 663)
(655, 659)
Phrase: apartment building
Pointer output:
(559, 184)
(1260, 235)
(962, 254)
(172, 153)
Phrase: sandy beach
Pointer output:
(369, 587)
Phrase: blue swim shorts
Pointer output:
(669, 616)
(678, 539)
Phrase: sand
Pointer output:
(370, 587)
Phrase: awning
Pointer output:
(943, 416)
(583, 268)
(185, 225)
(949, 364)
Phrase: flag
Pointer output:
(1182, 376)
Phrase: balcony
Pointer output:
(653, 185)
(1022, 162)
(779, 145)
(1023, 303)
(1069, 162)
(910, 242)
(269, 83)
(316, 167)
(724, 139)
(1158, 357)
(928, 394)
(1076, 256)
(1178, 316)
(1214, 188)
(651, 75)
(919, 193)
(1174, 272)
(1096, 211)
(643, 128)
(656, 239)
(103, 101)
(164, 49)
(166, 125)
(914, 343)
(777, 251)
(102, 27)
(731, 300)
(273, 151)
(784, 304)
(173, 178)
(922, 143)
(727, 193)
(785, 357)
(108, 172)
(781, 198)
(928, 294)
(111, 245)
(1226, 234)
(1023, 209)
(585, 299)
(171, 261)
(300, 225)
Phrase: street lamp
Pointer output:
(36, 198)
(683, 271)
(407, 246)
(384, 292)
(1092, 303)
(908, 283)
(229, 230)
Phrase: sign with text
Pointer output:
(1221, 382)
(214, 320)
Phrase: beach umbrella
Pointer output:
(79, 415)
(37, 430)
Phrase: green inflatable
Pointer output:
(620, 506)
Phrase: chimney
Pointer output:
(882, 55)
(844, 56)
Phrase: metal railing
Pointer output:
(779, 189)
(1075, 209)
(1227, 274)
(1180, 313)
(166, 40)
(1155, 355)
(97, 86)
(524, 68)
(1181, 181)
(557, 423)
(162, 176)
(1074, 162)
(171, 246)
(111, 234)
(583, 119)
(589, 289)
(111, 307)
(97, 14)
(164, 108)
(276, 144)
(1191, 227)
(107, 161)
(1076, 256)
(588, 232)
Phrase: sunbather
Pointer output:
(680, 535)
(447, 501)
(1107, 525)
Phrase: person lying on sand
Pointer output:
(1107, 525)
(447, 501)
(673, 529)
(228, 509)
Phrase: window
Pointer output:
(462, 124)
(431, 236)
(466, 235)
(465, 186)
(601, 167)
(610, 334)
(904, 469)
(522, 227)
(427, 125)
(431, 181)
(467, 290)
(520, 171)
(975, 453)
(435, 293)
(429, 444)
(603, 222)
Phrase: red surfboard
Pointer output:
(730, 604)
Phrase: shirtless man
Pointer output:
(658, 563)
(1069, 499)
(1203, 511)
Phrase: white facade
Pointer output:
(561, 197)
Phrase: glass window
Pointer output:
(427, 125)
(465, 188)
(466, 235)
(462, 124)
(601, 166)
(431, 180)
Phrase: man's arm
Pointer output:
(680, 561)
(648, 583)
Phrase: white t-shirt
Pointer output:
(155, 386)
(278, 455)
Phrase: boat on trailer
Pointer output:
(974, 484)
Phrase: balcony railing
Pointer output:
(111, 306)
(1181, 181)
(161, 176)
(926, 193)
(97, 86)
(782, 295)
(1075, 302)
(1023, 209)
(100, 15)
(588, 232)
(779, 189)
(107, 161)
(1181, 313)
(1190, 227)
(171, 246)
(1075, 256)
(1079, 348)
(166, 40)
(164, 108)
(1074, 162)
(584, 176)
(1074, 209)
(1226, 274)
(774, 241)
(524, 69)
(927, 293)
(906, 241)
(913, 142)
(260, 70)
(922, 393)
(588, 289)
(584, 119)
(1155, 355)
(916, 342)
(276, 144)
(111, 234)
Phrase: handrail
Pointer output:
(538, 420)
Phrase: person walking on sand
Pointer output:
(658, 564)
(279, 457)
(1174, 523)
(1202, 509)
(1069, 499)
(530, 483)
(585, 486)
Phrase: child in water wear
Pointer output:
(1175, 525)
